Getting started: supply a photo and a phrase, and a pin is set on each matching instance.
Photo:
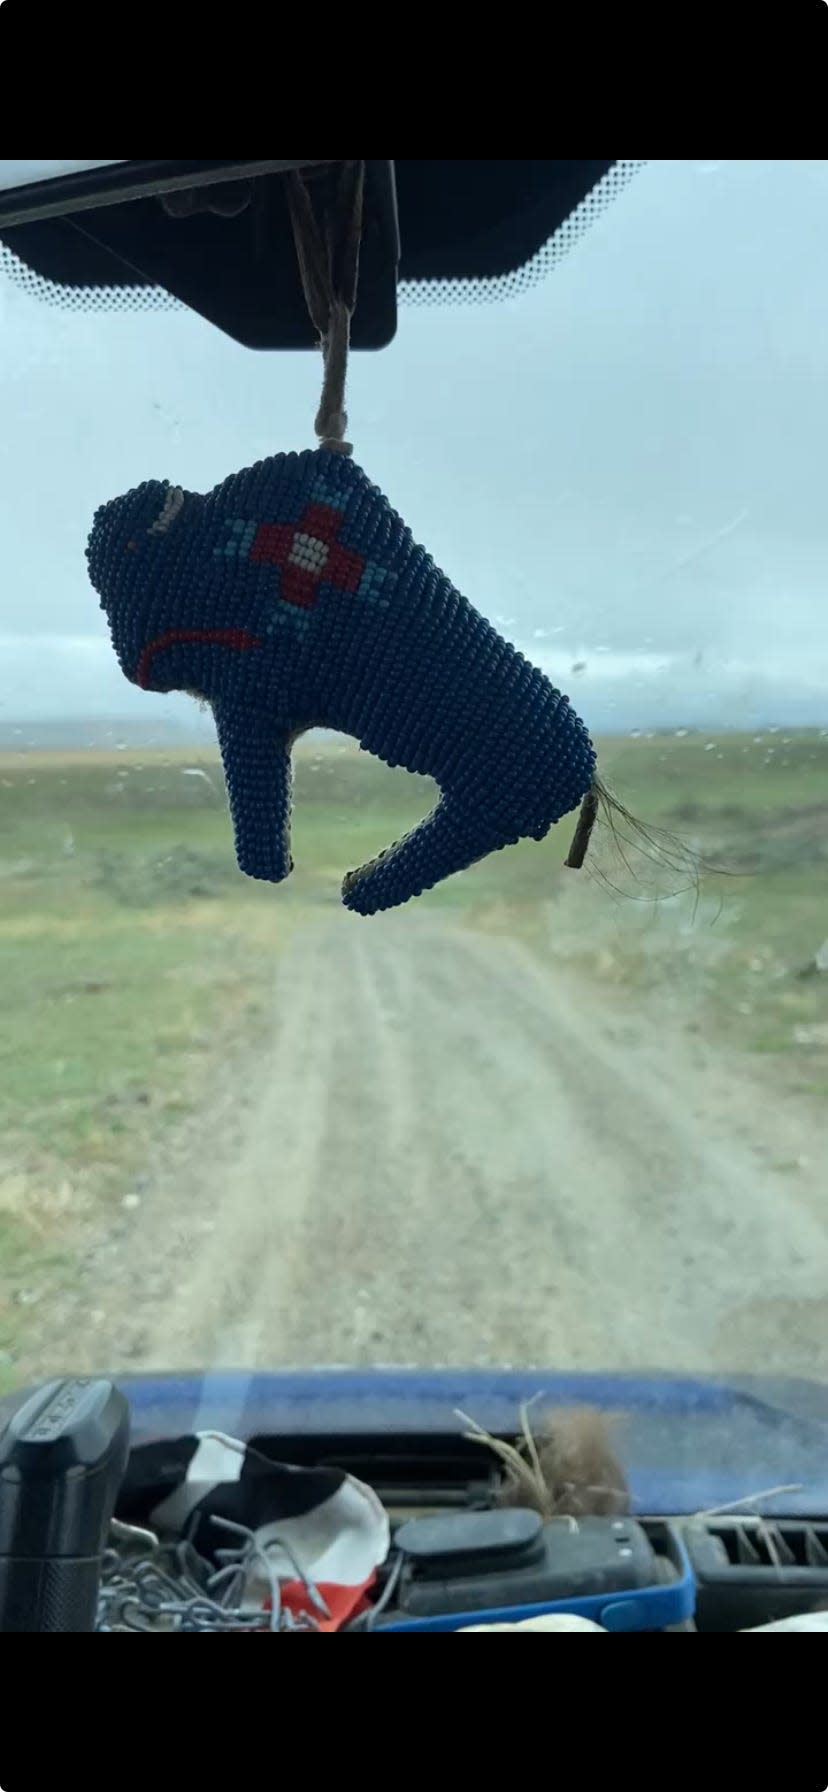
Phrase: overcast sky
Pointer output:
(626, 467)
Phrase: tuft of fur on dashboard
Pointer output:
(563, 1465)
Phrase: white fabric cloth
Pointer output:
(550, 1621)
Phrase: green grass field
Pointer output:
(742, 947)
(133, 954)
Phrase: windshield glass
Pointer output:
(535, 1116)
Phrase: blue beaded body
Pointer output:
(292, 596)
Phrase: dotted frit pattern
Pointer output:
(143, 296)
(292, 596)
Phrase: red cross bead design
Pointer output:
(309, 555)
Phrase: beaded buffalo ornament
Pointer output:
(292, 596)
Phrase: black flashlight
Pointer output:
(62, 1458)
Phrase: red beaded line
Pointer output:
(222, 637)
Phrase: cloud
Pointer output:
(620, 691)
(77, 677)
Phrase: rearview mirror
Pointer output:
(215, 234)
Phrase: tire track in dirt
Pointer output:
(449, 1153)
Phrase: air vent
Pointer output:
(763, 1543)
(753, 1570)
(410, 1473)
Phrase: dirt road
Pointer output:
(449, 1154)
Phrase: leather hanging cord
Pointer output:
(581, 838)
(327, 239)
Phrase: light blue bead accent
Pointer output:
(323, 491)
(242, 536)
(377, 584)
